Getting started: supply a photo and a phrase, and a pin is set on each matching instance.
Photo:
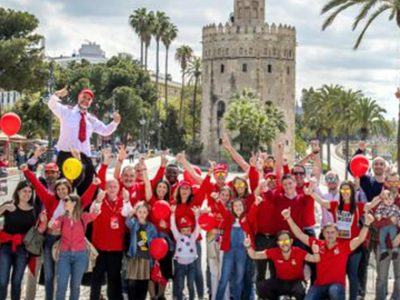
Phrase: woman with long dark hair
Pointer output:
(19, 216)
(347, 213)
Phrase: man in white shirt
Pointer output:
(76, 129)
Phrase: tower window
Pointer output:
(244, 67)
(269, 68)
(222, 68)
(288, 70)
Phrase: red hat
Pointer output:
(221, 168)
(184, 183)
(51, 167)
(88, 92)
(269, 175)
(184, 222)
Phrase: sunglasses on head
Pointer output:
(299, 173)
(285, 242)
(331, 179)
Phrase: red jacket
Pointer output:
(229, 221)
(49, 200)
(109, 227)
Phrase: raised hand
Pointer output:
(196, 211)
(122, 154)
(125, 195)
(107, 156)
(100, 196)
(11, 207)
(96, 180)
(225, 141)
(23, 167)
(62, 93)
(117, 117)
(315, 248)
(164, 158)
(39, 151)
(369, 219)
(286, 213)
(258, 200)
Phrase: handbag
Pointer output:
(33, 241)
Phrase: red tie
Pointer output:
(82, 128)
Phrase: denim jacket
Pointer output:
(134, 226)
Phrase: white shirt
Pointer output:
(70, 118)
(326, 215)
(185, 248)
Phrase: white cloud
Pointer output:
(322, 57)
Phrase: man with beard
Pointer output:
(76, 129)
(372, 186)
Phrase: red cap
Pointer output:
(184, 183)
(88, 92)
(221, 168)
(51, 167)
(270, 174)
(184, 222)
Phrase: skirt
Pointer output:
(138, 269)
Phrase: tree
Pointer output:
(172, 135)
(169, 35)
(367, 115)
(194, 72)
(137, 21)
(147, 34)
(183, 55)
(21, 52)
(251, 123)
(369, 11)
(161, 22)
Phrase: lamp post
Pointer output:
(159, 124)
(142, 122)
(220, 114)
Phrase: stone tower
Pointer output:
(247, 53)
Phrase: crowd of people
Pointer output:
(261, 236)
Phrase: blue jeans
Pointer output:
(182, 271)
(249, 279)
(389, 230)
(74, 265)
(198, 276)
(353, 264)
(331, 292)
(18, 260)
(48, 265)
(233, 265)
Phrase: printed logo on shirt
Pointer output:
(344, 223)
(143, 240)
(336, 251)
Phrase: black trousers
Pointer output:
(85, 179)
(273, 288)
(263, 242)
(109, 262)
(137, 289)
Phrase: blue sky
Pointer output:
(322, 57)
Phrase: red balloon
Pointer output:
(10, 123)
(187, 177)
(359, 165)
(158, 248)
(207, 221)
(161, 210)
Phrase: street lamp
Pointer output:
(220, 114)
(142, 122)
(159, 124)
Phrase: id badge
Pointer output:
(114, 223)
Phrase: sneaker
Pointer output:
(384, 255)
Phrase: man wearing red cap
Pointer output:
(76, 129)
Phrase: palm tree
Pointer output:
(369, 11)
(194, 72)
(170, 34)
(147, 32)
(161, 22)
(137, 21)
(183, 55)
(368, 116)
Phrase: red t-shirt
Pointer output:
(332, 267)
(347, 223)
(291, 269)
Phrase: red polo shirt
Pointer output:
(290, 269)
(332, 267)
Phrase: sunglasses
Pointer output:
(345, 191)
(239, 185)
(285, 242)
(299, 173)
(220, 173)
(331, 179)
(68, 200)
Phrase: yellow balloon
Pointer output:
(72, 168)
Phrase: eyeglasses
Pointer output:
(219, 173)
(331, 179)
(239, 184)
(285, 242)
(299, 173)
(345, 191)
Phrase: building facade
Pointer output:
(247, 53)
(90, 51)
